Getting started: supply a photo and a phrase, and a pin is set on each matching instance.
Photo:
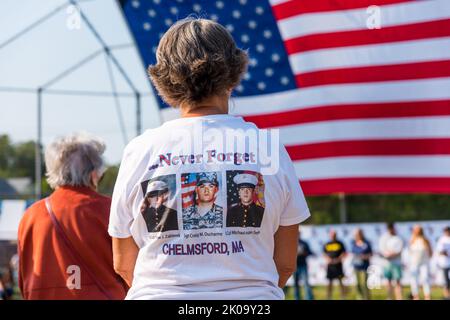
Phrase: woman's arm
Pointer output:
(125, 252)
(285, 252)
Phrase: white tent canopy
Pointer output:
(62, 48)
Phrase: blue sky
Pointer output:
(44, 52)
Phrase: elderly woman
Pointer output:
(64, 249)
(198, 66)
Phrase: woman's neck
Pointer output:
(209, 106)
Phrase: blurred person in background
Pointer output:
(301, 274)
(14, 265)
(64, 249)
(334, 251)
(443, 252)
(6, 284)
(362, 252)
(419, 254)
(391, 247)
(2, 286)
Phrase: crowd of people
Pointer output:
(391, 246)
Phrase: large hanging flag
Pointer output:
(360, 89)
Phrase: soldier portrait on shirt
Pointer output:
(245, 193)
(200, 195)
(157, 214)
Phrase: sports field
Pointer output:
(320, 293)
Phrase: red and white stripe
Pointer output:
(187, 192)
(372, 108)
(372, 112)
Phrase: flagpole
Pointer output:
(38, 154)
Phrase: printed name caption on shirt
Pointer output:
(225, 309)
(229, 146)
(203, 248)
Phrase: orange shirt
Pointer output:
(44, 258)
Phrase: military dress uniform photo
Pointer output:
(245, 213)
(161, 218)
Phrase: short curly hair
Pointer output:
(196, 59)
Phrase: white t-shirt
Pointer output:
(443, 245)
(392, 244)
(206, 225)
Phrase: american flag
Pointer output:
(360, 89)
(188, 183)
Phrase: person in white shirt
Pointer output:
(419, 254)
(443, 251)
(198, 66)
(391, 248)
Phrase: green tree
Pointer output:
(106, 185)
(6, 154)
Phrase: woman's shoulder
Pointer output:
(36, 209)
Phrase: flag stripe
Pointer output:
(405, 71)
(366, 129)
(371, 55)
(377, 185)
(423, 30)
(297, 7)
(352, 111)
(373, 166)
(358, 20)
(361, 93)
(370, 148)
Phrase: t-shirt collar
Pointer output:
(206, 117)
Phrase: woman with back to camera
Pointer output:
(420, 253)
(64, 249)
(198, 65)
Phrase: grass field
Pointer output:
(320, 293)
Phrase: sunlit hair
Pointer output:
(70, 160)
(196, 59)
(359, 234)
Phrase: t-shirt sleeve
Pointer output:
(295, 209)
(121, 214)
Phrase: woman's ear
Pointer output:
(95, 178)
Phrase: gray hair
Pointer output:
(70, 160)
(196, 59)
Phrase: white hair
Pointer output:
(70, 160)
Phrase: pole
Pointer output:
(38, 157)
(342, 207)
(138, 114)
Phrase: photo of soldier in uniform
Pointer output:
(245, 193)
(200, 193)
(158, 216)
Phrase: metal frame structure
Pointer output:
(44, 88)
